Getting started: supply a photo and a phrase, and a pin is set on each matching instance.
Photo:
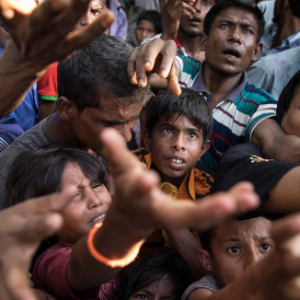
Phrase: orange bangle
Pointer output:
(113, 263)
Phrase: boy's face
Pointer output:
(194, 27)
(232, 42)
(175, 146)
(88, 207)
(291, 119)
(236, 246)
(145, 30)
(94, 9)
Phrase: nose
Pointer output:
(235, 36)
(93, 198)
(198, 6)
(86, 19)
(178, 142)
(251, 259)
(125, 130)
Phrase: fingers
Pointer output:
(45, 204)
(208, 211)
(17, 284)
(173, 82)
(8, 8)
(81, 38)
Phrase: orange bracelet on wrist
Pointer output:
(113, 263)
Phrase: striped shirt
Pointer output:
(234, 118)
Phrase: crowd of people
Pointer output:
(149, 149)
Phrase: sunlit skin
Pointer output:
(162, 289)
(177, 139)
(145, 30)
(291, 119)
(232, 42)
(194, 27)
(92, 201)
(236, 246)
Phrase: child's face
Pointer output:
(236, 246)
(145, 30)
(162, 289)
(88, 206)
(175, 147)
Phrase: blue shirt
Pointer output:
(27, 113)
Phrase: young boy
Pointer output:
(228, 251)
(176, 136)
(148, 25)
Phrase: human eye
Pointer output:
(96, 185)
(224, 26)
(206, 2)
(77, 197)
(142, 296)
(96, 12)
(193, 135)
(247, 31)
(168, 130)
(234, 250)
(266, 247)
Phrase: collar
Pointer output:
(199, 86)
(187, 187)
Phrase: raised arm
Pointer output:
(137, 209)
(40, 36)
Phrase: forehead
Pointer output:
(237, 15)
(162, 288)
(259, 227)
(72, 175)
(146, 24)
(180, 122)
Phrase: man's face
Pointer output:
(291, 119)
(88, 207)
(175, 146)
(237, 245)
(88, 125)
(94, 9)
(194, 27)
(231, 44)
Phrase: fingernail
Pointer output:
(147, 65)
(141, 82)
(163, 74)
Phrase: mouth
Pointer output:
(195, 21)
(177, 161)
(98, 219)
(232, 54)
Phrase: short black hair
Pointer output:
(295, 7)
(165, 105)
(151, 16)
(99, 71)
(38, 172)
(147, 270)
(286, 97)
(244, 4)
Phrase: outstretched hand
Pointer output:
(155, 57)
(141, 205)
(44, 34)
(22, 229)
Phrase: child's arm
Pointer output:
(187, 246)
(138, 208)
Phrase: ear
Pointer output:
(203, 41)
(205, 259)
(66, 109)
(146, 139)
(204, 148)
(257, 51)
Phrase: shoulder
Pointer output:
(200, 294)
(190, 65)
(203, 182)
(257, 94)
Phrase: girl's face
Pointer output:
(88, 207)
(162, 289)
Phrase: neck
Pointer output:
(61, 132)
(175, 181)
(220, 85)
(191, 45)
(289, 26)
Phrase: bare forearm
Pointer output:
(187, 246)
(116, 238)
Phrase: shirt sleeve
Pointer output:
(47, 84)
(50, 273)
